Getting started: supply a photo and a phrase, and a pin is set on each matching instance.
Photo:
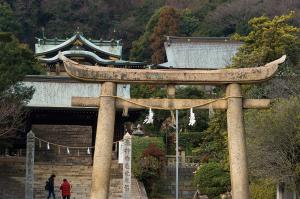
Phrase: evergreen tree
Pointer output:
(168, 24)
(8, 22)
(16, 60)
(268, 40)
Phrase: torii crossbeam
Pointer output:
(108, 102)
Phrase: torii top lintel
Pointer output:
(171, 76)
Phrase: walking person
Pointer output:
(50, 186)
(65, 188)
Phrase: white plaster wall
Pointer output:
(59, 94)
(200, 55)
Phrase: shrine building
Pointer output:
(51, 115)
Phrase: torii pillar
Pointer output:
(237, 143)
(234, 104)
(104, 142)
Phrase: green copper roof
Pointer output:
(110, 48)
(96, 58)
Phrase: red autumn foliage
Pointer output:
(154, 151)
(167, 25)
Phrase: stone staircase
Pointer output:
(12, 174)
(12, 180)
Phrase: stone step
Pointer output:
(12, 175)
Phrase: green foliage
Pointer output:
(16, 60)
(166, 21)
(141, 48)
(274, 133)
(212, 179)
(192, 92)
(188, 23)
(162, 22)
(268, 40)
(205, 28)
(147, 91)
(214, 139)
(263, 189)
(139, 144)
(162, 118)
(147, 161)
(8, 22)
(189, 141)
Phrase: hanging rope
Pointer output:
(65, 146)
(173, 108)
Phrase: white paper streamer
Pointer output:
(192, 118)
(68, 151)
(88, 151)
(149, 118)
(48, 146)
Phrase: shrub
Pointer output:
(148, 156)
(212, 179)
(263, 189)
(139, 144)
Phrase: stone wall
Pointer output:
(186, 189)
(69, 135)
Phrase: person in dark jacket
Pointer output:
(65, 188)
(51, 186)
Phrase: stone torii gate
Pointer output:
(108, 102)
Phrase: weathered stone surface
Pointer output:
(171, 76)
(69, 135)
(29, 166)
(12, 183)
(171, 103)
(237, 144)
(104, 141)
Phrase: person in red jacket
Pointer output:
(65, 188)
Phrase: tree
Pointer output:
(188, 23)
(212, 179)
(166, 21)
(233, 16)
(141, 47)
(268, 40)
(167, 25)
(273, 139)
(214, 140)
(8, 22)
(16, 60)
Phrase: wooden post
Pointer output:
(237, 143)
(104, 142)
(29, 166)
